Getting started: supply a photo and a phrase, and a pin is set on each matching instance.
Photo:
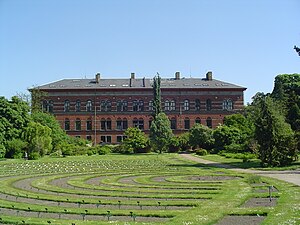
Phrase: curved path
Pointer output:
(291, 176)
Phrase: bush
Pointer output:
(201, 152)
(34, 156)
(103, 150)
(234, 148)
(2, 151)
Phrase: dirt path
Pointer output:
(291, 176)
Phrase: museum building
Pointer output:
(101, 110)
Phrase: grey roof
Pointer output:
(137, 83)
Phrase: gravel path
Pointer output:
(291, 176)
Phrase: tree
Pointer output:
(225, 136)
(201, 136)
(156, 95)
(135, 140)
(277, 145)
(160, 133)
(15, 148)
(38, 138)
(58, 135)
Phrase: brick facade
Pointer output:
(105, 112)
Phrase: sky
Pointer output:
(244, 42)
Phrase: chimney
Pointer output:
(177, 76)
(209, 75)
(97, 78)
(132, 76)
(144, 82)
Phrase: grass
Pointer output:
(149, 186)
(252, 164)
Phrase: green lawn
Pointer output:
(253, 163)
(136, 189)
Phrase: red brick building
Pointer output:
(102, 109)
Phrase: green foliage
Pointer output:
(160, 133)
(58, 135)
(254, 179)
(135, 140)
(14, 117)
(201, 152)
(2, 151)
(104, 150)
(156, 95)
(15, 148)
(225, 136)
(174, 145)
(38, 138)
(277, 145)
(184, 143)
(201, 136)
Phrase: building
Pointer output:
(101, 110)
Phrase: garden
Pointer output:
(139, 189)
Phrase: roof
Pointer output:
(86, 84)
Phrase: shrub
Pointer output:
(201, 152)
(34, 156)
(234, 148)
(103, 150)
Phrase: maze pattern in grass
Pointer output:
(142, 189)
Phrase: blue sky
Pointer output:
(245, 42)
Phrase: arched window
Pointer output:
(172, 105)
(197, 105)
(186, 123)
(50, 106)
(198, 120)
(78, 106)
(89, 124)
(67, 106)
(208, 105)
(173, 123)
(89, 105)
(227, 104)
(105, 106)
(209, 122)
(139, 123)
(186, 105)
(67, 124)
(105, 124)
(167, 105)
(138, 105)
(119, 106)
(78, 124)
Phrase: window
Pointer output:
(227, 104)
(173, 123)
(50, 106)
(105, 139)
(67, 106)
(119, 106)
(105, 106)
(208, 105)
(120, 138)
(172, 105)
(186, 123)
(78, 106)
(89, 124)
(122, 124)
(78, 124)
(186, 105)
(105, 124)
(124, 105)
(167, 105)
(197, 105)
(89, 106)
(89, 137)
(139, 123)
(151, 105)
(138, 105)
(198, 120)
(209, 122)
(67, 124)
